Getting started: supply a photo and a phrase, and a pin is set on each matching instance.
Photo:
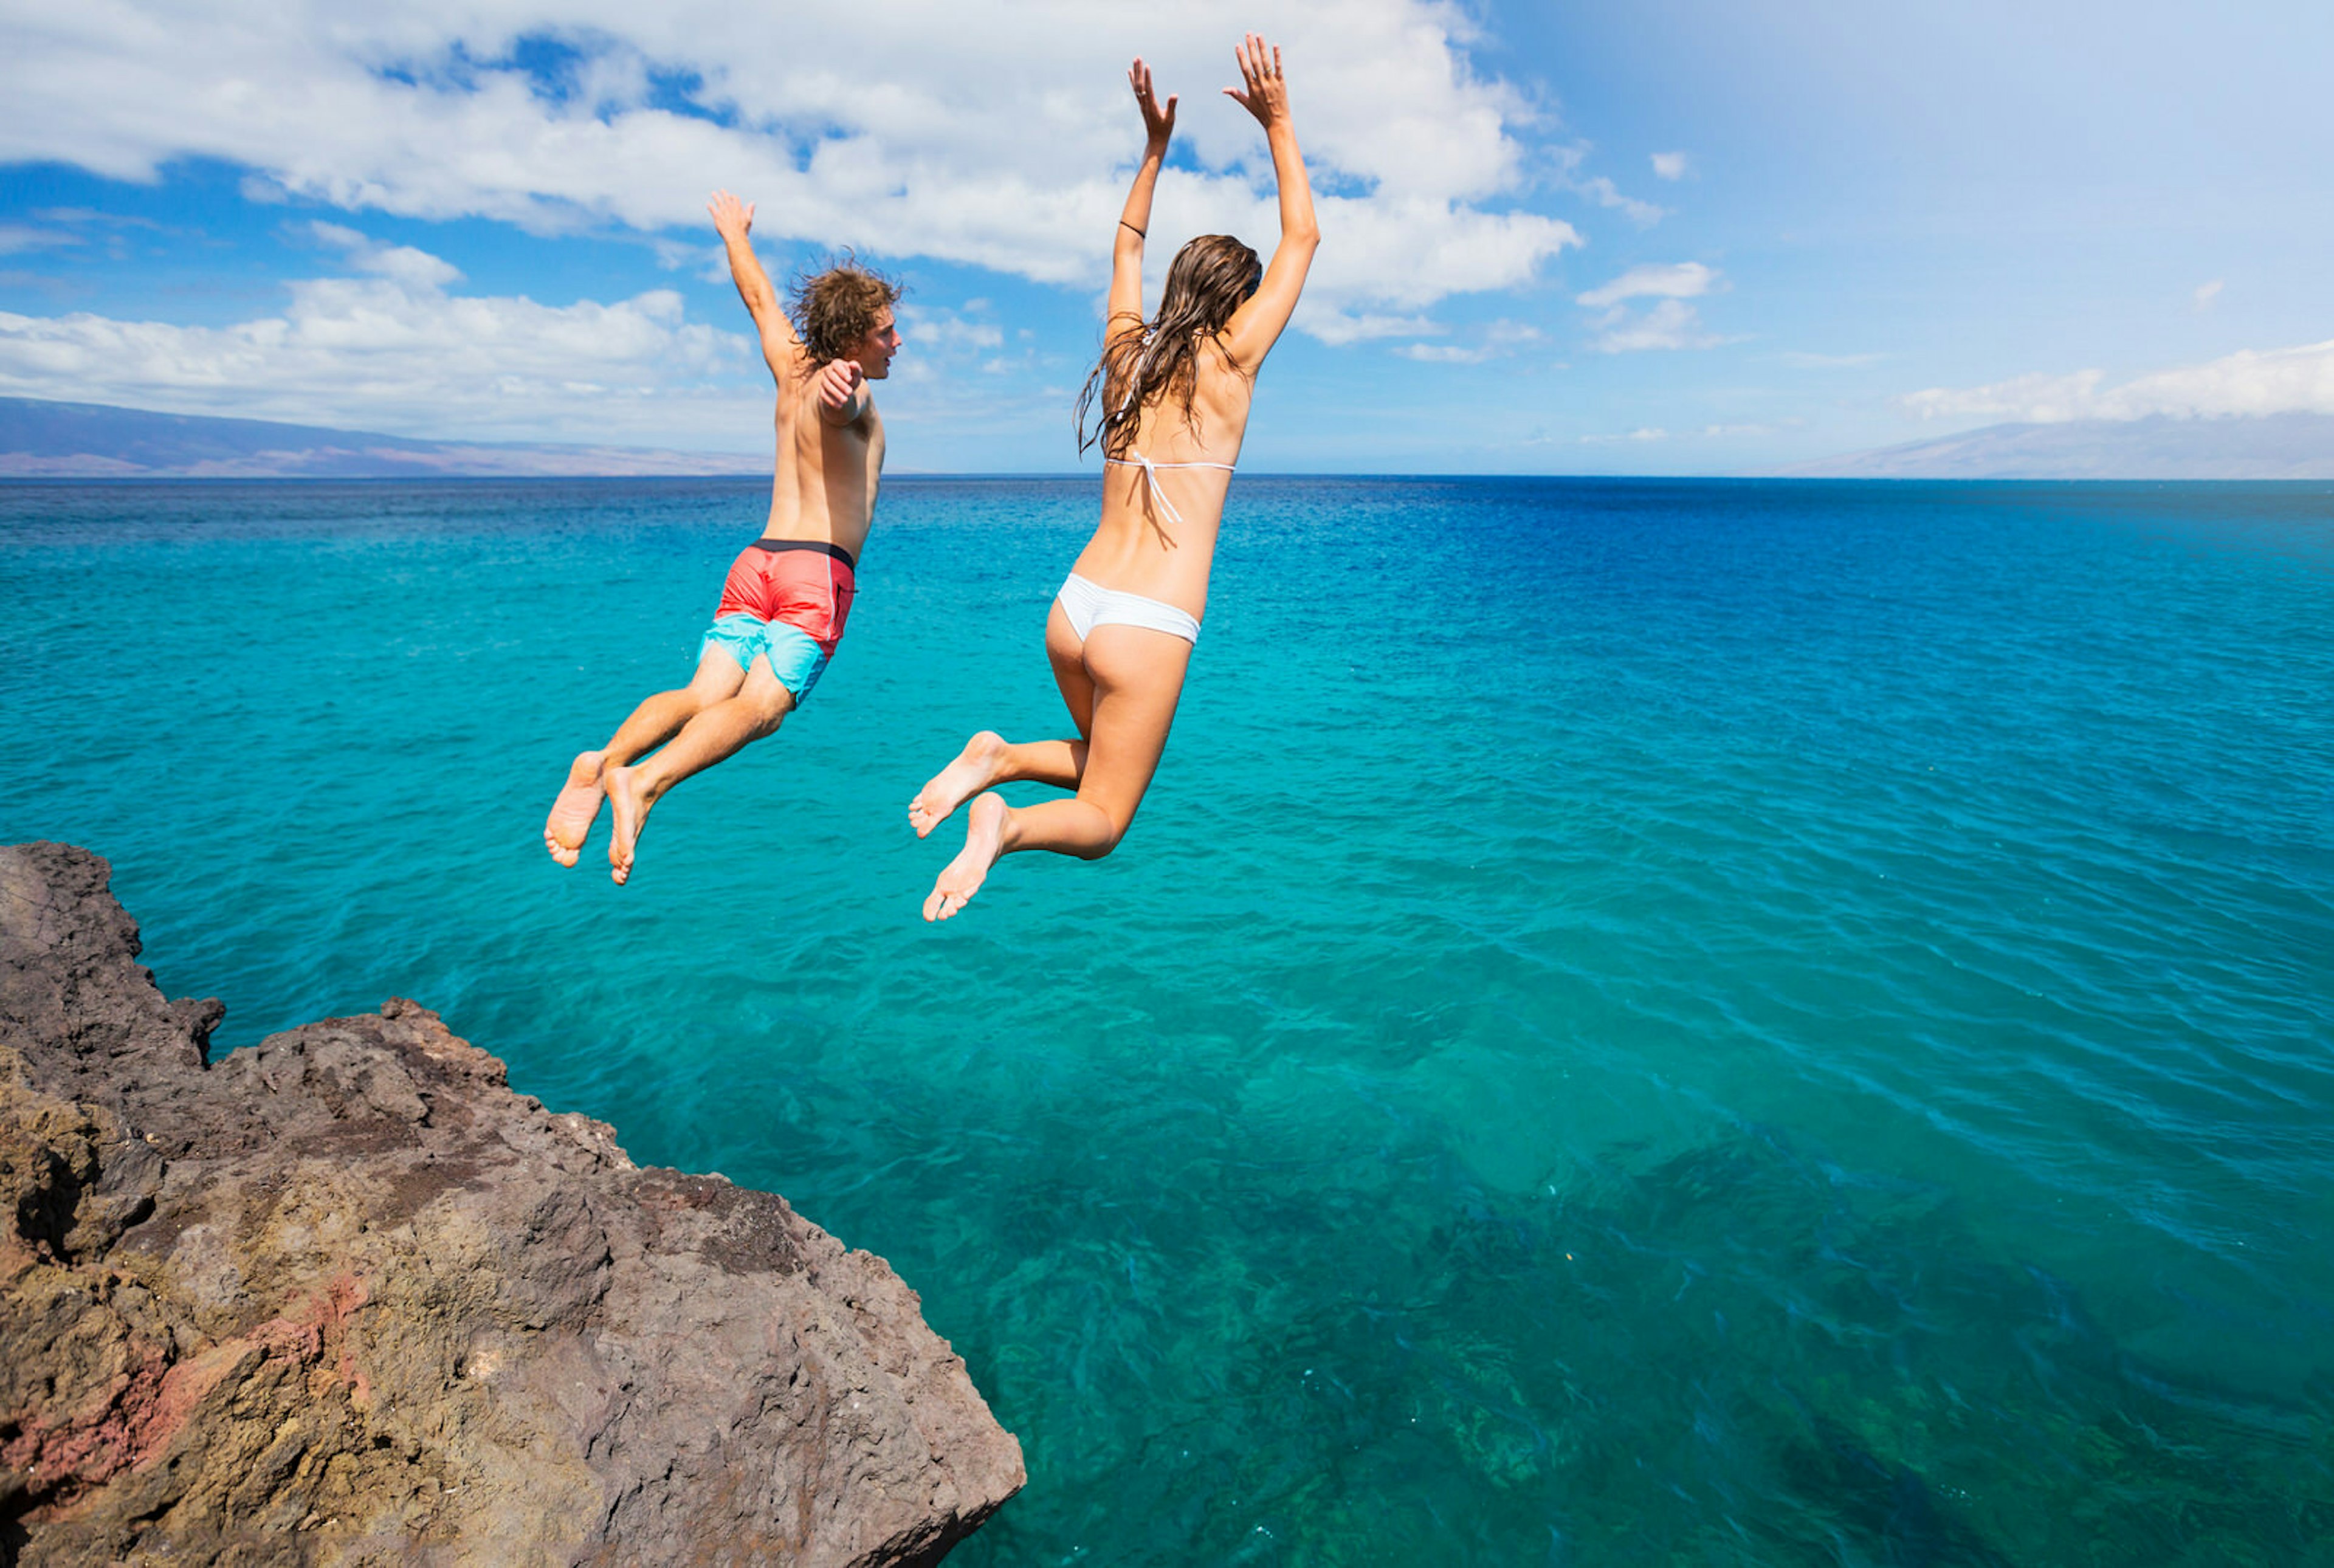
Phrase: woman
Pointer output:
(1172, 398)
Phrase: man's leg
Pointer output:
(718, 731)
(1138, 676)
(989, 759)
(655, 721)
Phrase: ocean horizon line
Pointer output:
(1815, 481)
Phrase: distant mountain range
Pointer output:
(41, 439)
(2264, 447)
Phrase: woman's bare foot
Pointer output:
(632, 803)
(984, 840)
(974, 770)
(570, 822)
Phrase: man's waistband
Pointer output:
(821, 546)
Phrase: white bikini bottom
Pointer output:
(1090, 604)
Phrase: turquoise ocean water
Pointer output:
(1642, 1023)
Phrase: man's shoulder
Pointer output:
(793, 364)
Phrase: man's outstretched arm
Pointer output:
(781, 349)
(843, 395)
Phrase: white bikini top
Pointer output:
(1135, 460)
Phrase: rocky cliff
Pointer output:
(344, 1298)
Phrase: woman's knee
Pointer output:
(1113, 829)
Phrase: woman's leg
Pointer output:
(1137, 676)
(656, 721)
(989, 759)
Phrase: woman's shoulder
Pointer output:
(1221, 383)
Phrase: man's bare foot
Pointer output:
(631, 804)
(571, 814)
(984, 840)
(974, 770)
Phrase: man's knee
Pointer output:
(770, 710)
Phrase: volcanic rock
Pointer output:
(343, 1298)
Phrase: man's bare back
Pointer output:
(830, 438)
(788, 595)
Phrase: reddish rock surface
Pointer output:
(343, 1298)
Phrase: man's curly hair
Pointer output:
(833, 309)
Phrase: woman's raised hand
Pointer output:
(1266, 93)
(1158, 122)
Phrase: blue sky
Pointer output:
(1672, 237)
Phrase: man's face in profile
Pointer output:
(875, 351)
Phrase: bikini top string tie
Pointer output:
(1135, 459)
(1158, 493)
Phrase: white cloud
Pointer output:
(1669, 165)
(394, 352)
(2206, 293)
(1495, 341)
(707, 260)
(418, 271)
(2035, 399)
(1656, 433)
(394, 349)
(1671, 325)
(2298, 380)
(23, 237)
(1604, 193)
(994, 132)
(1676, 281)
(1447, 353)
(1363, 328)
(947, 330)
(1566, 175)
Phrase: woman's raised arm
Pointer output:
(1135, 221)
(1255, 326)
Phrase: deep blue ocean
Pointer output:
(1641, 1023)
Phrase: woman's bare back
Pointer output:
(1157, 536)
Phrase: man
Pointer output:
(788, 596)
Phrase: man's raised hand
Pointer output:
(838, 379)
(1158, 122)
(1265, 93)
(730, 216)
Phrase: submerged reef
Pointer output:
(343, 1297)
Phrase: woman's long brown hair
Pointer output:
(1212, 277)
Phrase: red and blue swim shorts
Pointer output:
(785, 600)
